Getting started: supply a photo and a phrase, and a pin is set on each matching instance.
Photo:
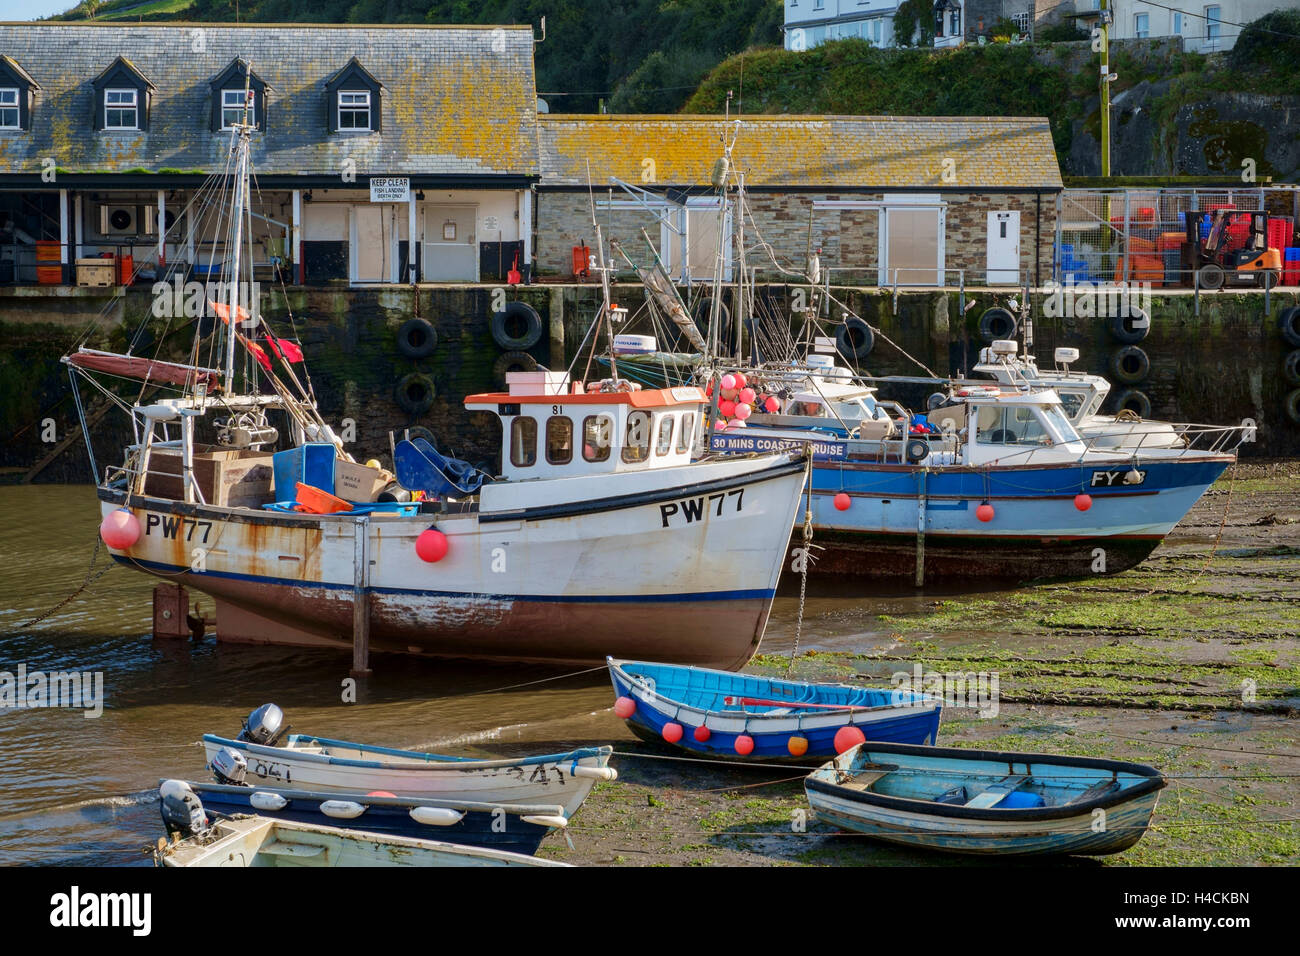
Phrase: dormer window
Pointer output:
(228, 91)
(232, 108)
(354, 100)
(122, 95)
(10, 113)
(17, 95)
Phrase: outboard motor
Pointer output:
(182, 811)
(228, 766)
(263, 726)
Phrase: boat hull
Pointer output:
(650, 572)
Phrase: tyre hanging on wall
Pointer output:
(1130, 327)
(516, 327)
(1129, 365)
(1133, 400)
(512, 362)
(418, 431)
(1289, 325)
(1291, 368)
(415, 393)
(417, 338)
(1291, 406)
(997, 323)
(854, 339)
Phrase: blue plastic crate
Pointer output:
(312, 464)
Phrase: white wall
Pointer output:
(810, 23)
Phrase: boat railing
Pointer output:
(1205, 439)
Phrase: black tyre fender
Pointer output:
(512, 362)
(916, 450)
(1291, 368)
(1135, 400)
(997, 323)
(854, 339)
(516, 327)
(1129, 365)
(1291, 406)
(415, 393)
(1288, 324)
(1130, 327)
(418, 431)
(417, 338)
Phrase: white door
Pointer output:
(450, 243)
(911, 245)
(377, 230)
(1004, 248)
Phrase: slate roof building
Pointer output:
(919, 200)
(111, 128)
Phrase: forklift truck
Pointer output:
(1215, 264)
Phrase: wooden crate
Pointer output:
(354, 482)
(95, 272)
(228, 477)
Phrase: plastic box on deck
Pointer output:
(1291, 265)
(312, 464)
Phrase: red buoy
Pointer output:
(842, 501)
(984, 512)
(672, 732)
(380, 793)
(431, 545)
(625, 707)
(846, 738)
(744, 745)
(702, 733)
(798, 746)
(1083, 502)
(120, 529)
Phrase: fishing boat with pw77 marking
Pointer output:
(740, 715)
(985, 802)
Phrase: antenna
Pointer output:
(542, 39)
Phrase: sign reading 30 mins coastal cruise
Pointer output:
(822, 450)
(390, 189)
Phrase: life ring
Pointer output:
(1134, 400)
(978, 391)
(1291, 368)
(517, 326)
(1291, 405)
(1129, 327)
(513, 362)
(1289, 325)
(1130, 365)
(416, 339)
(917, 450)
(854, 338)
(997, 323)
(415, 393)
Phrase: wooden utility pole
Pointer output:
(1104, 23)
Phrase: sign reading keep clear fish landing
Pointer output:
(823, 449)
(390, 189)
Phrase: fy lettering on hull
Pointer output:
(690, 510)
(175, 527)
(1118, 479)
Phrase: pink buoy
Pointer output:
(744, 745)
(726, 408)
(743, 412)
(846, 738)
(702, 733)
(672, 732)
(380, 793)
(1083, 502)
(719, 424)
(120, 529)
(741, 381)
(431, 545)
(984, 512)
(625, 707)
(842, 501)
(771, 405)
(728, 382)
(748, 395)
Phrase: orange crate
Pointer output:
(314, 501)
(47, 250)
(49, 275)
(1141, 245)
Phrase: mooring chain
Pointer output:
(91, 578)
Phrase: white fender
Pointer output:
(342, 809)
(595, 773)
(436, 816)
(261, 800)
(546, 820)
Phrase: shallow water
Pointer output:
(82, 791)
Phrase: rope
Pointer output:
(805, 558)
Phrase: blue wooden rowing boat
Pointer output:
(985, 802)
(510, 827)
(724, 714)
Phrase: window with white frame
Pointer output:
(354, 109)
(10, 117)
(1141, 25)
(1021, 20)
(121, 109)
(1213, 20)
(232, 107)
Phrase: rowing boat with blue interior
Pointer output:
(985, 802)
(725, 714)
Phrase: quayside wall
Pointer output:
(1220, 366)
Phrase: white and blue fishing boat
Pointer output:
(724, 714)
(985, 802)
(318, 764)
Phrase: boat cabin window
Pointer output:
(559, 440)
(665, 443)
(636, 443)
(1071, 404)
(597, 435)
(1010, 425)
(684, 433)
(523, 441)
(813, 409)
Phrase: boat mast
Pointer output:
(242, 136)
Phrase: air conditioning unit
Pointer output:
(119, 220)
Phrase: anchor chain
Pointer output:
(91, 578)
